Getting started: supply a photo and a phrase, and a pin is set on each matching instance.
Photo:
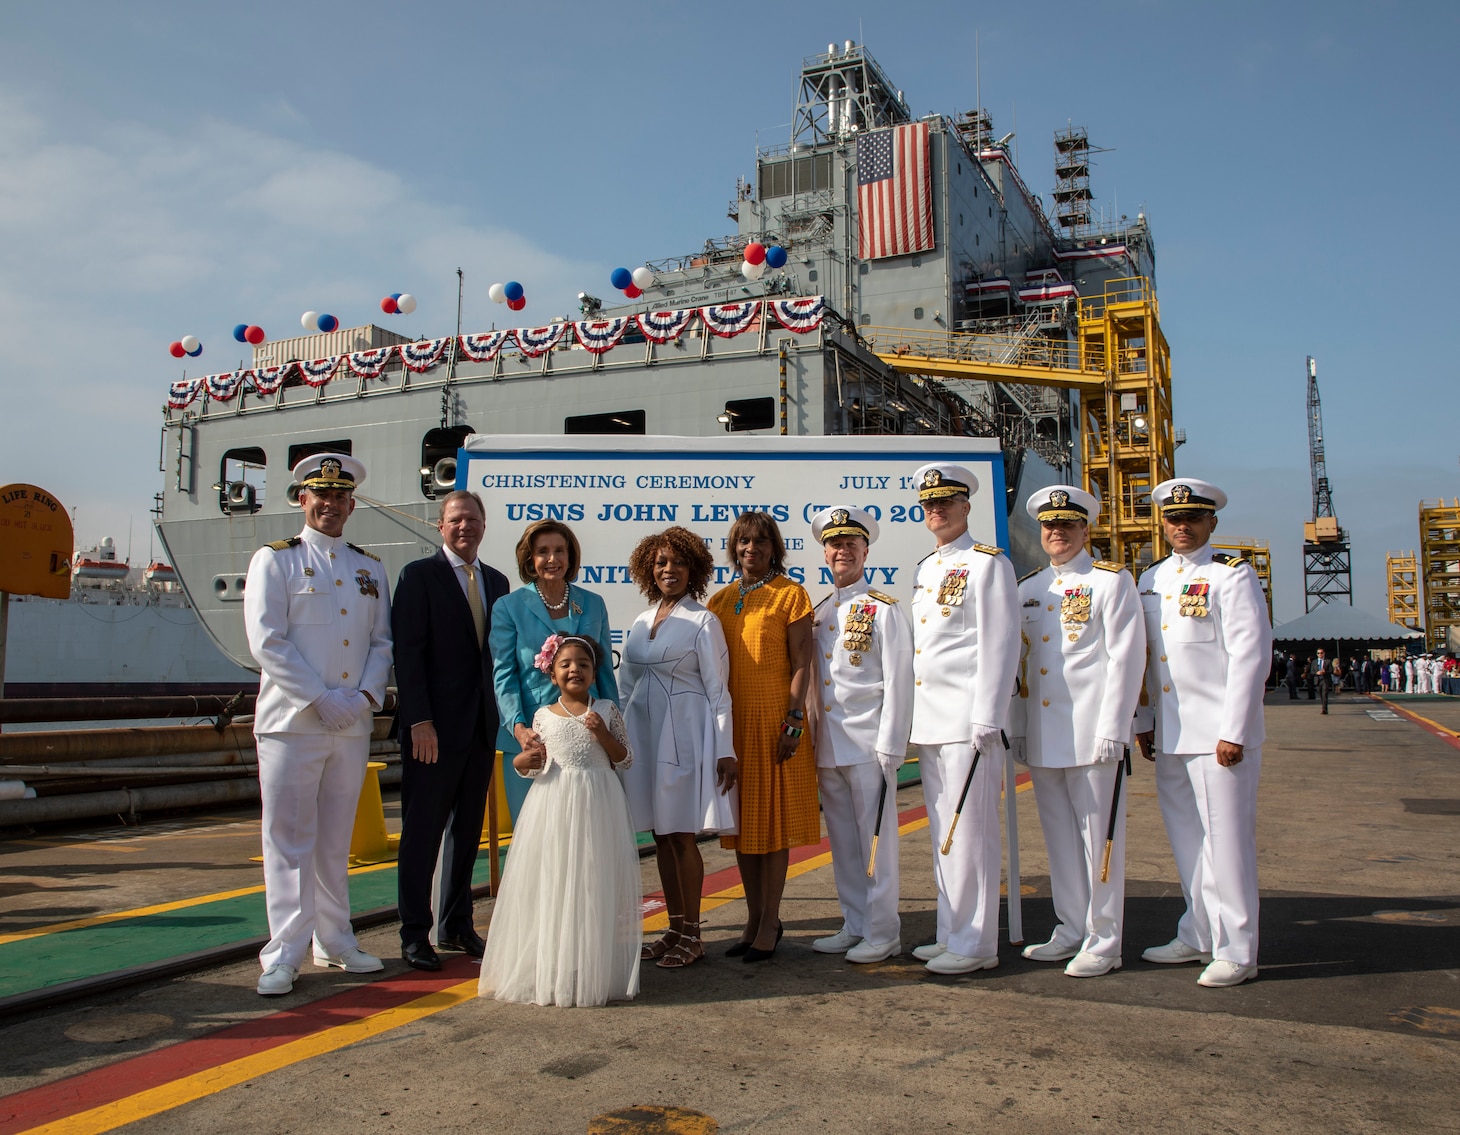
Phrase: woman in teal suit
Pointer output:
(547, 561)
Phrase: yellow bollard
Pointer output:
(369, 842)
(492, 826)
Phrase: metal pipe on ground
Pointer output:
(28, 711)
(93, 744)
(385, 749)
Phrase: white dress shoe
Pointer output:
(949, 963)
(839, 943)
(1050, 951)
(1221, 974)
(1086, 964)
(277, 979)
(930, 951)
(353, 960)
(864, 951)
(1174, 953)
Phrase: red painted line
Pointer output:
(57, 1100)
(1424, 723)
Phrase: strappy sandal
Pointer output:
(688, 950)
(650, 951)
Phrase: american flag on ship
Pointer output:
(894, 192)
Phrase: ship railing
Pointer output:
(1019, 349)
(1128, 290)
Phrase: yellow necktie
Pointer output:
(474, 601)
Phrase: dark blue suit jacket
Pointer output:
(442, 675)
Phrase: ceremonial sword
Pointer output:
(962, 796)
(1122, 766)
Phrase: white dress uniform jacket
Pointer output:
(966, 654)
(1080, 676)
(862, 707)
(318, 616)
(1207, 669)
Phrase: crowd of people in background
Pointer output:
(1319, 675)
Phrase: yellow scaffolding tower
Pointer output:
(1119, 362)
(1256, 553)
(1439, 538)
(1402, 572)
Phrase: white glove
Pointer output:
(889, 763)
(1016, 747)
(1107, 750)
(339, 709)
(988, 740)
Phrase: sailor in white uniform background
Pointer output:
(318, 616)
(1084, 643)
(1210, 645)
(861, 717)
(965, 621)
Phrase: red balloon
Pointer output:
(517, 304)
(176, 350)
(633, 291)
(254, 335)
(755, 253)
(389, 306)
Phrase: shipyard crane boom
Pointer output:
(1326, 558)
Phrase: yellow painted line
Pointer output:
(1418, 716)
(212, 1080)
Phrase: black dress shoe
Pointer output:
(468, 941)
(419, 955)
(751, 954)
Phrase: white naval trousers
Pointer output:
(310, 786)
(1211, 821)
(968, 876)
(1074, 811)
(849, 802)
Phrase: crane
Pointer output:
(1326, 561)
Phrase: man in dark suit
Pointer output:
(448, 728)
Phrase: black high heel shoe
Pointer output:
(751, 954)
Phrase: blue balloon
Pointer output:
(239, 332)
(328, 323)
(621, 278)
(513, 290)
(775, 256)
(396, 295)
(195, 354)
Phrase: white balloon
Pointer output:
(189, 343)
(406, 303)
(752, 271)
(497, 293)
(643, 277)
(309, 321)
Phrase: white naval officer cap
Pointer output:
(836, 521)
(1186, 494)
(329, 471)
(1062, 502)
(938, 481)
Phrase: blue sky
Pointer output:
(168, 169)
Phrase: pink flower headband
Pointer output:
(555, 642)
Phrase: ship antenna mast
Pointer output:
(446, 399)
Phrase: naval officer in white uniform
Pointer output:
(861, 717)
(318, 615)
(1210, 645)
(1084, 644)
(965, 620)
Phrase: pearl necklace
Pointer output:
(759, 583)
(570, 713)
(554, 608)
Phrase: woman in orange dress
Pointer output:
(767, 622)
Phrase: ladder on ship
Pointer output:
(1120, 364)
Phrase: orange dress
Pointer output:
(778, 806)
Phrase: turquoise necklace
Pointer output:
(744, 590)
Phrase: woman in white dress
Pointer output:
(673, 681)
(566, 929)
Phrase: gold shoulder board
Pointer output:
(988, 549)
(1108, 565)
(880, 596)
(1230, 560)
(1029, 575)
(280, 545)
(363, 552)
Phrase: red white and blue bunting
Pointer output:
(800, 315)
(726, 320)
(483, 348)
(662, 326)
(424, 355)
(729, 319)
(536, 341)
(371, 363)
(599, 335)
(320, 371)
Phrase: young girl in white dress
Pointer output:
(566, 927)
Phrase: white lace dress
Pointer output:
(567, 926)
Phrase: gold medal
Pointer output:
(855, 659)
